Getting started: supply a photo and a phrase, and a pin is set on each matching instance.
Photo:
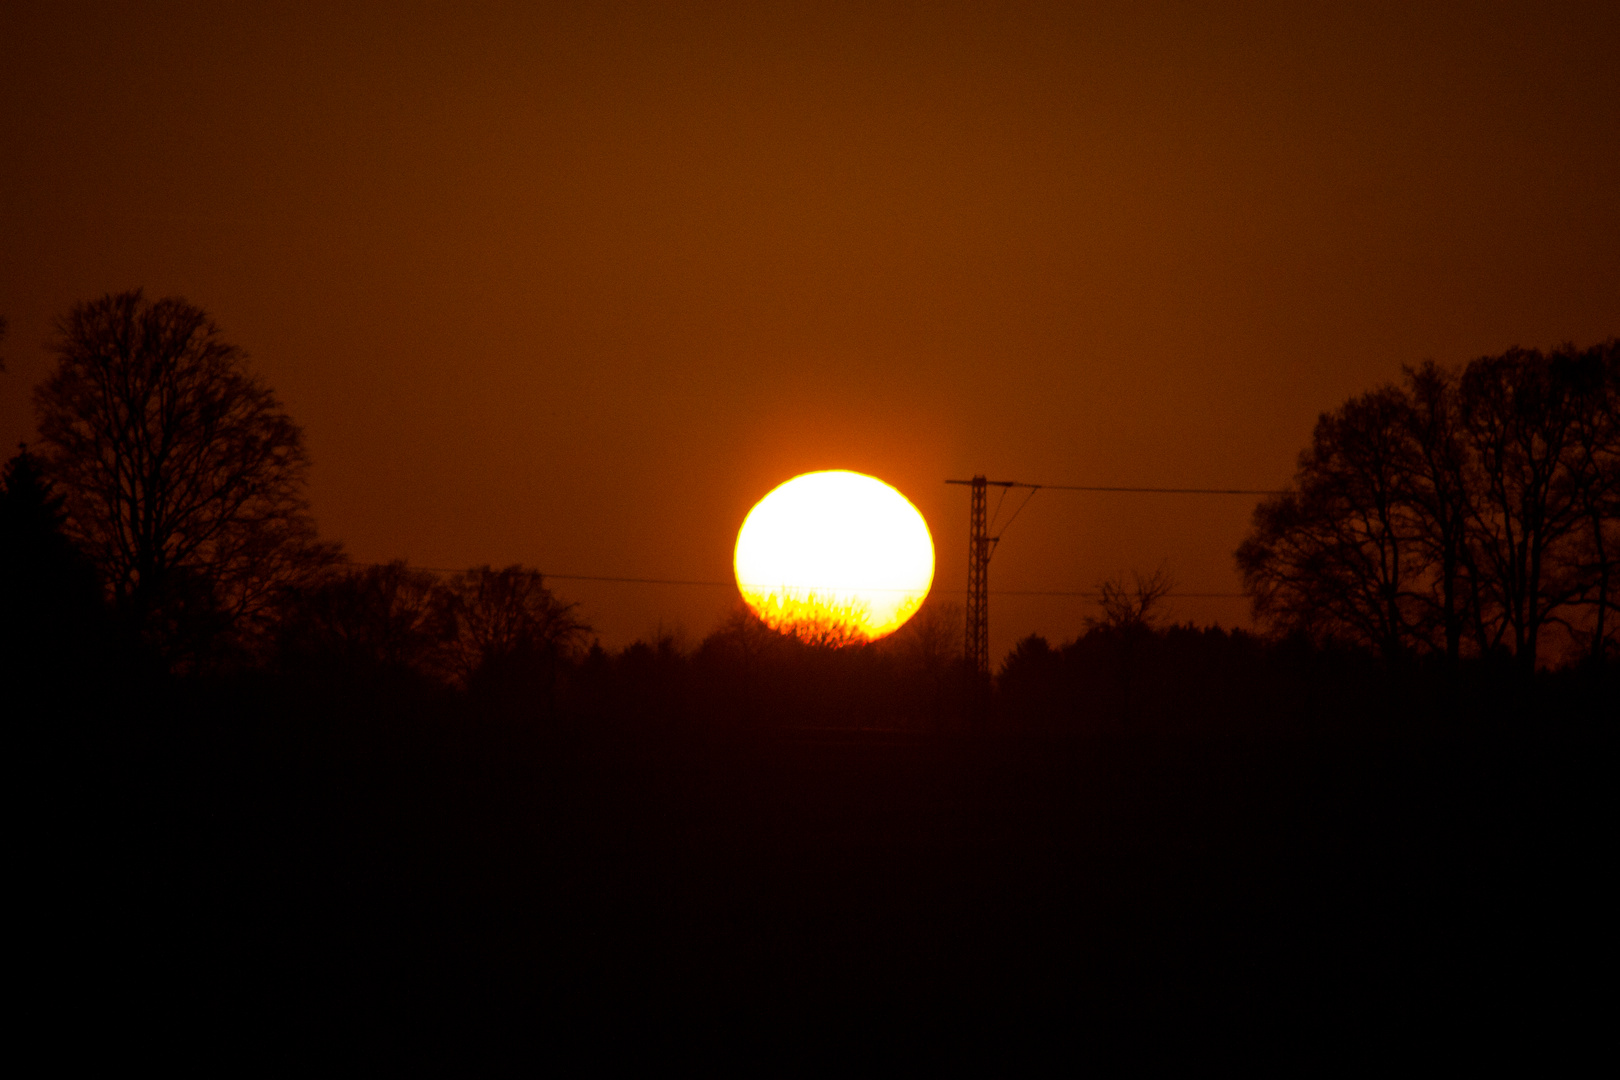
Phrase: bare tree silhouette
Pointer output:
(814, 618)
(508, 619)
(1595, 442)
(183, 478)
(1441, 500)
(1129, 607)
(1338, 556)
(373, 618)
(1480, 506)
(1519, 418)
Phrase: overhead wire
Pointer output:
(1005, 485)
(992, 526)
(733, 584)
(1033, 489)
(1163, 491)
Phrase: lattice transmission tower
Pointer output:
(976, 638)
(976, 641)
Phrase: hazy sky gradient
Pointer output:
(575, 285)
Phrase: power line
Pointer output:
(567, 577)
(1008, 524)
(636, 580)
(1129, 490)
(733, 584)
(1096, 592)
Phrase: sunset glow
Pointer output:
(834, 556)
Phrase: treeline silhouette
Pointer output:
(285, 796)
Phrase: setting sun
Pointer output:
(834, 556)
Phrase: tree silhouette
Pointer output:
(1595, 440)
(49, 596)
(1437, 487)
(511, 628)
(1337, 557)
(183, 478)
(931, 640)
(1480, 507)
(1127, 625)
(1131, 607)
(813, 617)
(387, 618)
(1518, 418)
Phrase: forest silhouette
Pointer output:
(283, 788)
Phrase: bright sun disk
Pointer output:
(836, 557)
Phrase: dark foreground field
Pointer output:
(362, 867)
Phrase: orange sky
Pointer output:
(574, 285)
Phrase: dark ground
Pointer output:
(382, 871)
